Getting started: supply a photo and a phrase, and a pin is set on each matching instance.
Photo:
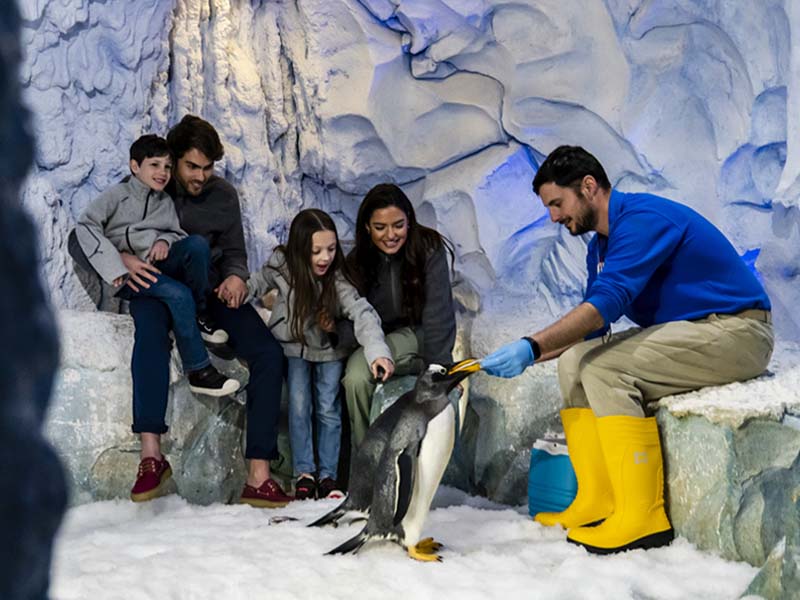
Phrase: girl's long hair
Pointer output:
(420, 243)
(306, 297)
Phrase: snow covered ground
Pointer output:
(168, 549)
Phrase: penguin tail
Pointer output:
(352, 545)
(332, 517)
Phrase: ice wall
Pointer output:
(456, 100)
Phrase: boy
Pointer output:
(137, 217)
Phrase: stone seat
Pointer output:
(733, 470)
(89, 422)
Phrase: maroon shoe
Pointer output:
(151, 479)
(268, 495)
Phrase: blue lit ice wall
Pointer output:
(457, 100)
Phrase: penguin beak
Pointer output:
(468, 366)
(461, 371)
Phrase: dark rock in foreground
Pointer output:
(32, 490)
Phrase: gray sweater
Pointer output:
(126, 217)
(215, 214)
(367, 324)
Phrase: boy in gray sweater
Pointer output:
(137, 217)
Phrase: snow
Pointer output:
(169, 549)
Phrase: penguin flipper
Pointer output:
(406, 469)
(352, 545)
(332, 517)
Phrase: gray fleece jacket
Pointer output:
(126, 217)
(436, 333)
(318, 348)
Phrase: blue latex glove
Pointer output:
(509, 360)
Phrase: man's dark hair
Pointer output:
(148, 146)
(566, 166)
(194, 132)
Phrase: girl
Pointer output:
(401, 268)
(311, 277)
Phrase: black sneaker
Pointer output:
(328, 488)
(209, 331)
(211, 382)
(305, 488)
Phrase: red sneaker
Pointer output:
(268, 495)
(150, 479)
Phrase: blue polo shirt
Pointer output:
(662, 261)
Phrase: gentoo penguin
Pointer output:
(400, 463)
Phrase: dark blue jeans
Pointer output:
(249, 337)
(183, 287)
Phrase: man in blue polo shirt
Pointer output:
(704, 319)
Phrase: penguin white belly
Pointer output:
(435, 451)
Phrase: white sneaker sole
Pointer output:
(218, 337)
(229, 387)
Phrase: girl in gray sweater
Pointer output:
(314, 290)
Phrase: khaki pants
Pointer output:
(359, 384)
(621, 375)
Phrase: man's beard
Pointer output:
(587, 220)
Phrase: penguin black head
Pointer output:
(440, 380)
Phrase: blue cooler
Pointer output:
(551, 481)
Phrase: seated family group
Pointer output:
(169, 239)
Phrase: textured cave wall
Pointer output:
(457, 100)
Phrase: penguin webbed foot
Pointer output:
(425, 550)
(429, 545)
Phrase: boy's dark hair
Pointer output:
(148, 146)
(566, 166)
(194, 132)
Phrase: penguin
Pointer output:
(400, 463)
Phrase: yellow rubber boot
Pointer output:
(594, 500)
(635, 466)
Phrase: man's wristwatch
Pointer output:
(537, 352)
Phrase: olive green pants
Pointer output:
(359, 384)
(621, 375)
